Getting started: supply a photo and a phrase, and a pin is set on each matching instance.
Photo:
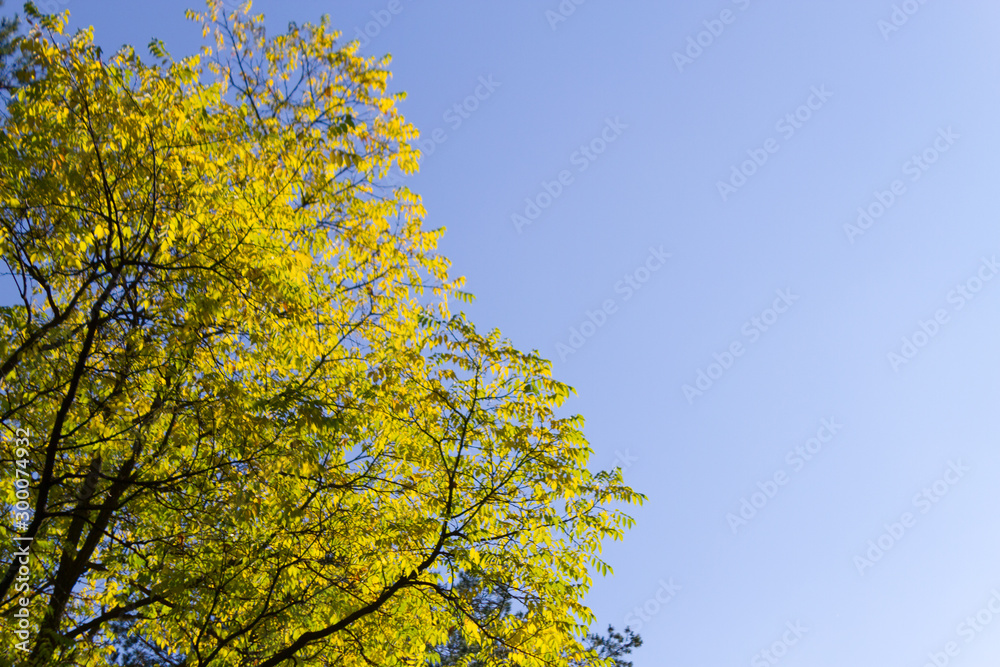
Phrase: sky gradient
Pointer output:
(761, 240)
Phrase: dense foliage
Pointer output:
(243, 423)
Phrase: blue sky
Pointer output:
(680, 185)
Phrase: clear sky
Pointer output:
(789, 207)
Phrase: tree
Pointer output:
(132, 649)
(246, 427)
(615, 646)
(8, 56)
(487, 604)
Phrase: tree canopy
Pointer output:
(241, 418)
(8, 56)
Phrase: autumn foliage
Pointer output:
(259, 433)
